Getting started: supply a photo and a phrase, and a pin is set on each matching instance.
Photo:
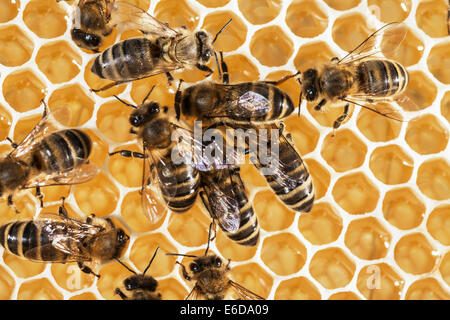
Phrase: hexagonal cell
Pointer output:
(344, 151)
(391, 165)
(84, 296)
(426, 289)
(8, 9)
(320, 176)
(349, 30)
(190, 228)
(342, 4)
(98, 196)
(304, 133)
(409, 51)
(332, 268)
(390, 11)
(229, 249)
(113, 121)
(232, 37)
(112, 277)
(162, 93)
(144, 248)
(299, 288)
(376, 127)
(421, 90)
(177, 14)
(5, 123)
(251, 176)
(367, 239)
(24, 202)
(322, 225)
(259, 12)
(127, 171)
(70, 277)
(403, 209)
(283, 253)
(355, 193)
(213, 3)
(414, 254)
(271, 46)
(306, 18)
(426, 135)
(7, 284)
(15, 47)
(431, 17)
(241, 69)
(95, 82)
(438, 224)
(438, 62)
(313, 55)
(344, 295)
(75, 101)
(22, 268)
(433, 179)
(23, 90)
(330, 113)
(445, 106)
(379, 282)
(272, 214)
(38, 289)
(131, 210)
(45, 18)
(24, 126)
(444, 268)
(99, 151)
(55, 193)
(253, 277)
(58, 61)
(172, 289)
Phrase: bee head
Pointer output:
(205, 48)
(86, 40)
(309, 82)
(144, 113)
(140, 282)
(205, 262)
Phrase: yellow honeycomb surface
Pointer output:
(380, 226)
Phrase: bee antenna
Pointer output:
(151, 260)
(181, 255)
(125, 103)
(217, 34)
(148, 94)
(209, 238)
(125, 266)
(218, 66)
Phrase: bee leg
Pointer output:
(319, 106)
(129, 154)
(108, 86)
(13, 144)
(169, 78)
(184, 272)
(203, 67)
(86, 269)
(228, 265)
(177, 103)
(121, 294)
(341, 118)
(334, 59)
(132, 131)
(285, 78)
(11, 204)
(62, 211)
(226, 75)
(40, 196)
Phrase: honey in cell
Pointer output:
(403, 209)
(379, 282)
(426, 289)
(45, 18)
(23, 90)
(271, 46)
(426, 135)
(377, 128)
(272, 214)
(414, 254)
(391, 165)
(390, 11)
(306, 18)
(15, 46)
(438, 222)
(260, 12)
(433, 179)
(299, 288)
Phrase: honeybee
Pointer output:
(164, 177)
(211, 278)
(47, 156)
(141, 287)
(60, 239)
(225, 198)
(361, 78)
(161, 50)
(238, 104)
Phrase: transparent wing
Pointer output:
(250, 105)
(127, 16)
(81, 174)
(195, 294)
(385, 40)
(44, 127)
(222, 199)
(243, 293)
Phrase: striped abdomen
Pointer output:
(62, 151)
(289, 178)
(178, 183)
(33, 241)
(381, 78)
(229, 183)
(127, 60)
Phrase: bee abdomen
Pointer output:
(381, 77)
(62, 151)
(127, 60)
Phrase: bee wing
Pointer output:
(44, 127)
(81, 174)
(153, 202)
(385, 40)
(223, 206)
(127, 16)
(243, 293)
(195, 294)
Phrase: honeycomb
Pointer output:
(380, 226)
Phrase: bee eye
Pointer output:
(194, 267)
(311, 94)
(218, 263)
(154, 108)
(136, 119)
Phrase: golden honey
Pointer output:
(379, 228)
